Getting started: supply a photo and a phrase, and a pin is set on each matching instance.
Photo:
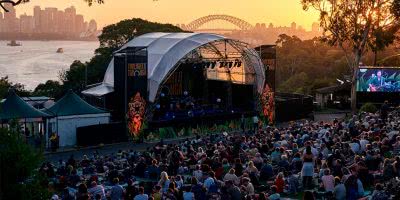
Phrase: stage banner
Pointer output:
(135, 94)
(268, 56)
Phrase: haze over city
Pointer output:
(180, 11)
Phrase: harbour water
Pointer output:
(36, 62)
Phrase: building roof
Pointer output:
(164, 51)
(346, 87)
(72, 104)
(14, 107)
(37, 98)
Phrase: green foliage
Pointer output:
(17, 164)
(295, 84)
(167, 132)
(369, 108)
(5, 85)
(115, 35)
(305, 66)
(49, 89)
(74, 78)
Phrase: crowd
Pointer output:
(350, 159)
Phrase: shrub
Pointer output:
(369, 108)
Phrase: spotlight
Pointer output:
(221, 64)
(226, 64)
(230, 64)
(239, 64)
(213, 64)
(236, 63)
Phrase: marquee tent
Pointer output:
(71, 112)
(14, 107)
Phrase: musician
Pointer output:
(377, 82)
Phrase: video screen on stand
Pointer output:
(378, 80)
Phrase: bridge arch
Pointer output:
(194, 25)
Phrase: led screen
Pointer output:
(378, 80)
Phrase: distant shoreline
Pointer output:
(43, 37)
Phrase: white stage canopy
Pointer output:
(165, 50)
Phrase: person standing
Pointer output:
(384, 110)
(141, 195)
(117, 191)
(307, 171)
(242, 123)
(97, 189)
(255, 123)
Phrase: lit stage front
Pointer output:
(181, 81)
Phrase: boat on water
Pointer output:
(60, 50)
(13, 43)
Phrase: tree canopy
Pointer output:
(18, 162)
(6, 84)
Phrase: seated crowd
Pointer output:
(346, 159)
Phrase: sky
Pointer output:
(278, 12)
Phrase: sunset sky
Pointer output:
(279, 12)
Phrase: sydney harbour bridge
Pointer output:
(199, 25)
(242, 30)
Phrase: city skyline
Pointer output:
(49, 20)
(262, 11)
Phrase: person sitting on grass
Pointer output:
(141, 195)
(274, 195)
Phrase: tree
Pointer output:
(5, 85)
(115, 35)
(353, 25)
(18, 2)
(18, 161)
(49, 89)
(74, 78)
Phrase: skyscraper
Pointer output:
(36, 17)
(70, 19)
(10, 19)
(79, 24)
(1, 22)
(27, 23)
(293, 26)
(315, 27)
(51, 19)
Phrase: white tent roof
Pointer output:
(164, 51)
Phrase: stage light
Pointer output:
(213, 64)
(236, 63)
(239, 64)
(230, 64)
(201, 65)
(221, 64)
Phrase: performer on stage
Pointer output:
(377, 82)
